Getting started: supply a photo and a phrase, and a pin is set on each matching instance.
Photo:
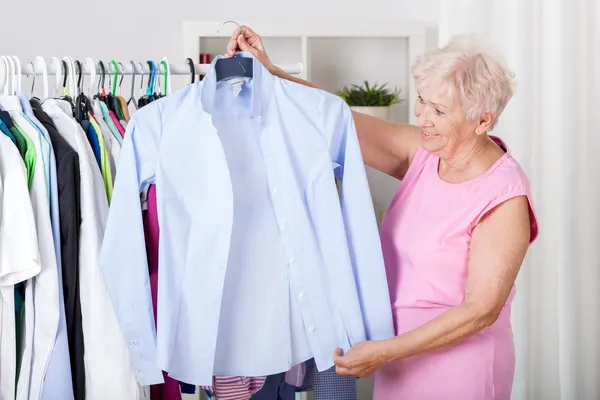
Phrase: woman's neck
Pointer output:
(471, 160)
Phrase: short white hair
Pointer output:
(477, 78)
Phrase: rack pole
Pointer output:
(180, 69)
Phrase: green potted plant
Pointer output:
(370, 99)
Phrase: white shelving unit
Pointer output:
(388, 48)
(333, 54)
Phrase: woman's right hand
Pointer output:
(250, 41)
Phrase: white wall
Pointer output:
(136, 29)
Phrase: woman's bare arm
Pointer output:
(386, 146)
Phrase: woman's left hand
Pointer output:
(362, 360)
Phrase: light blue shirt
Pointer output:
(261, 264)
(57, 382)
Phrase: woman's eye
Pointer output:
(438, 112)
(421, 100)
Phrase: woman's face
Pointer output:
(444, 128)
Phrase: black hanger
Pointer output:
(190, 62)
(236, 66)
(67, 97)
(101, 94)
(82, 103)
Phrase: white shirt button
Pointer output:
(282, 226)
(292, 260)
(311, 328)
(135, 342)
(301, 294)
(275, 191)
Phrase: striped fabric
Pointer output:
(235, 387)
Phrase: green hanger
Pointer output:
(116, 76)
(165, 65)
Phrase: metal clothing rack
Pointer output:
(144, 68)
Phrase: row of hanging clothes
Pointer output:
(59, 159)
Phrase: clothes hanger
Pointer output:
(112, 88)
(57, 77)
(131, 96)
(157, 89)
(71, 68)
(102, 93)
(17, 75)
(155, 79)
(6, 87)
(89, 62)
(165, 63)
(236, 66)
(10, 75)
(68, 87)
(33, 82)
(40, 60)
(82, 103)
(122, 76)
(190, 62)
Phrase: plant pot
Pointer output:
(379, 112)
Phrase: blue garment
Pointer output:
(248, 208)
(4, 129)
(93, 139)
(328, 385)
(275, 388)
(58, 375)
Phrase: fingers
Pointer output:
(244, 46)
(342, 371)
(232, 46)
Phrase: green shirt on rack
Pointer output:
(27, 150)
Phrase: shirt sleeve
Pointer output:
(358, 214)
(19, 251)
(123, 259)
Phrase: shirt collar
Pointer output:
(262, 86)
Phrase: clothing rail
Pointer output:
(144, 68)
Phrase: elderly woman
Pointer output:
(454, 236)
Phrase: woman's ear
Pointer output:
(485, 122)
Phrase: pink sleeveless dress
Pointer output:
(426, 236)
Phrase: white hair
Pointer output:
(479, 80)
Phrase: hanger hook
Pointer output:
(6, 68)
(113, 83)
(65, 76)
(231, 22)
(17, 72)
(33, 69)
(190, 62)
(102, 78)
(122, 75)
(165, 63)
(40, 59)
(11, 65)
(79, 76)
(133, 73)
(142, 79)
(89, 61)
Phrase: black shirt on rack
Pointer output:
(69, 206)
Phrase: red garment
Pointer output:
(119, 127)
(170, 389)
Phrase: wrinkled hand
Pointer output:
(251, 42)
(362, 360)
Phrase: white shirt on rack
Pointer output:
(19, 258)
(108, 368)
(41, 293)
